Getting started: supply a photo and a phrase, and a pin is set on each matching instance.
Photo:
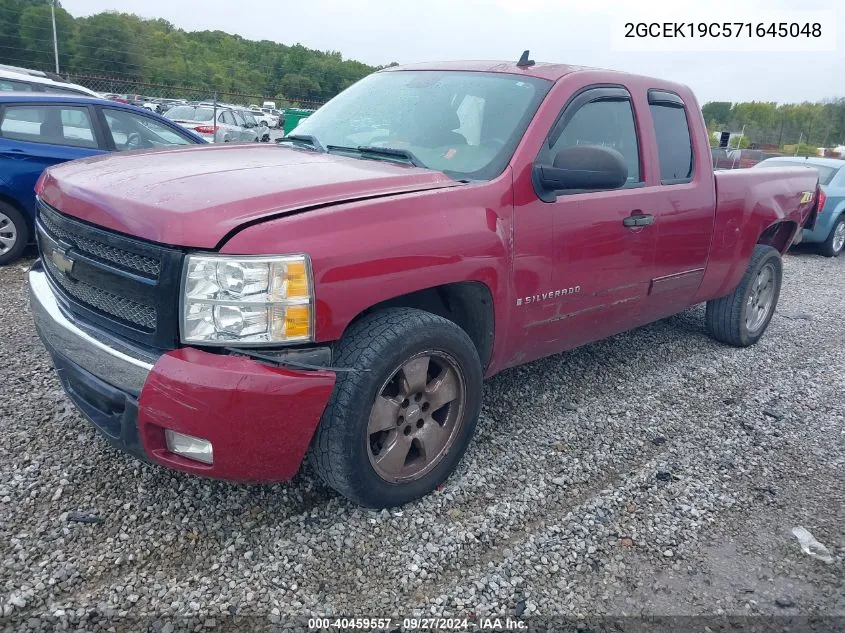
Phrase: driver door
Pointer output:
(602, 264)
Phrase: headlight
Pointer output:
(247, 300)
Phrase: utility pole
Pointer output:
(55, 40)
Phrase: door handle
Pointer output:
(638, 218)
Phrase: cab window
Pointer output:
(607, 123)
(674, 142)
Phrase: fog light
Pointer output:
(189, 446)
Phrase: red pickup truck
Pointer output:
(226, 311)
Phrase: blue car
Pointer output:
(829, 231)
(39, 129)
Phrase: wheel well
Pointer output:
(779, 235)
(468, 304)
(13, 203)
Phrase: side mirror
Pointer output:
(584, 167)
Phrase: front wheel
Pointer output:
(741, 318)
(835, 242)
(397, 425)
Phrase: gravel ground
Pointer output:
(655, 473)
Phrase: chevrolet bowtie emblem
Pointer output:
(61, 260)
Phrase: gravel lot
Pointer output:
(657, 472)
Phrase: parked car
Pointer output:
(200, 119)
(828, 233)
(260, 127)
(165, 104)
(39, 130)
(267, 118)
(113, 96)
(16, 79)
(250, 130)
(342, 293)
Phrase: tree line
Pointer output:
(133, 49)
(772, 125)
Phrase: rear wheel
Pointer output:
(740, 318)
(835, 242)
(14, 233)
(397, 425)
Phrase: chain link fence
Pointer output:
(113, 85)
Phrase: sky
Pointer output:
(572, 32)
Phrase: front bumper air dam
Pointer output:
(259, 418)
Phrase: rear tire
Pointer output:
(397, 426)
(741, 318)
(14, 233)
(835, 242)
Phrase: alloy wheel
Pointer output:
(761, 298)
(417, 414)
(8, 234)
(839, 237)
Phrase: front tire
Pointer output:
(398, 424)
(835, 242)
(14, 233)
(741, 318)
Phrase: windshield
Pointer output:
(466, 124)
(826, 173)
(190, 113)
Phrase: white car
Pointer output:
(263, 114)
(17, 79)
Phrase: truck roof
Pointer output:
(543, 70)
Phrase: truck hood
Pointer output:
(196, 196)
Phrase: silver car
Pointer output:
(200, 120)
(259, 126)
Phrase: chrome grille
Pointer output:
(133, 262)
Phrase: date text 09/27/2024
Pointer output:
(418, 624)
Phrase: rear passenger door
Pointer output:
(36, 136)
(684, 211)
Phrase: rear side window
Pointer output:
(607, 123)
(55, 125)
(674, 145)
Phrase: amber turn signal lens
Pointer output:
(297, 280)
(297, 322)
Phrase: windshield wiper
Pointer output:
(303, 138)
(389, 152)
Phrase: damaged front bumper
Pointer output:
(258, 418)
